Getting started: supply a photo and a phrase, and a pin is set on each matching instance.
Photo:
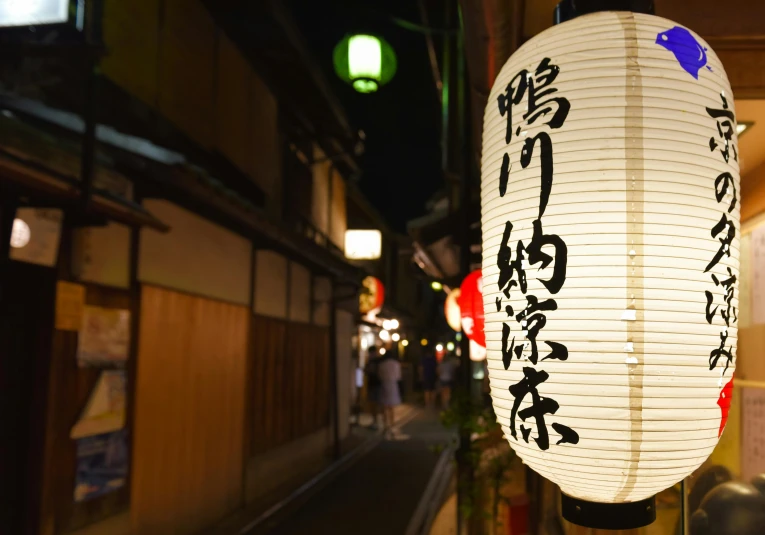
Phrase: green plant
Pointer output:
(489, 457)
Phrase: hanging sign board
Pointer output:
(70, 302)
(753, 434)
(33, 12)
(105, 411)
(36, 235)
(758, 275)
(102, 465)
(104, 337)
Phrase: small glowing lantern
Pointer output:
(610, 222)
(372, 296)
(365, 61)
(452, 310)
(471, 308)
(363, 244)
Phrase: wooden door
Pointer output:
(27, 294)
(189, 412)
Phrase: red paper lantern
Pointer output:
(471, 306)
(372, 296)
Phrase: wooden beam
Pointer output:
(744, 60)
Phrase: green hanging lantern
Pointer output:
(365, 61)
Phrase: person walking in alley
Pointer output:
(374, 385)
(389, 371)
(428, 369)
(447, 371)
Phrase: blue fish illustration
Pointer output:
(689, 53)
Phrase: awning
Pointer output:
(437, 247)
(22, 174)
(35, 138)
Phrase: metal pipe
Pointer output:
(7, 216)
(465, 167)
(446, 70)
(87, 157)
(90, 108)
(330, 193)
(336, 449)
(431, 49)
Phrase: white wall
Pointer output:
(102, 255)
(345, 330)
(322, 300)
(321, 191)
(745, 282)
(300, 293)
(271, 279)
(196, 256)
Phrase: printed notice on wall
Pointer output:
(105, 410)
(104, 338)
(753, 432)
(70, 304)
(758, 275)
(102, 465)
(36, 235)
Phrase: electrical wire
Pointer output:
(413, 26)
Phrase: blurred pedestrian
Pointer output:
(428, 371)
(374, 385)
(389, 371)
(447, 372)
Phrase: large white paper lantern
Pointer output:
(610, 215)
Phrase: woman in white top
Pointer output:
(389, 372)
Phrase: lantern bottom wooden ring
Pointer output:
(628, 515)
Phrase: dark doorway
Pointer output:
(27, 295)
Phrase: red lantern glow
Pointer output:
(372, 296)
(471, 306)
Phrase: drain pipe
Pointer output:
(333, 369)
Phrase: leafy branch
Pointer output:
(489, 455)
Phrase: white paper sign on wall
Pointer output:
(757, 255)
(753, 433)
(36, 236)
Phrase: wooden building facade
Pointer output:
(198, 249)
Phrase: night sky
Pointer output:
(401, 166)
